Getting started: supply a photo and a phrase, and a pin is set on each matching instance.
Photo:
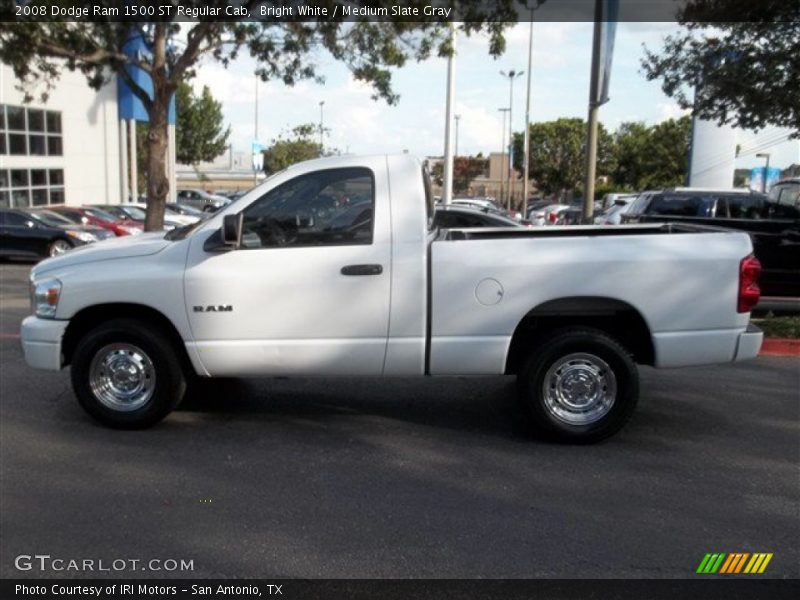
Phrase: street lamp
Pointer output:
(503, 149)
(766, 170)
(511, 75)
(321, 104)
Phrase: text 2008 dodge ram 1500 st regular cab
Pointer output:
(333, 268)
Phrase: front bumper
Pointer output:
(749, 343)
(41, 342)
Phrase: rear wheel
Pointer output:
(126, 374)
(58, 247)
(579, 385)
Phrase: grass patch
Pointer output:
(780, 327)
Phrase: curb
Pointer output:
(780, 347)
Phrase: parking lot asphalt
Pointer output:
(400, 477)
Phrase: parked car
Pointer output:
(135, 213)
(609, 200)
(397, 297)
(461, 217)
(54, 219)
(772, 222)
(170, 216)
(613, 214)
(547, 215)
(535, 206)
(202, 200)
(27, 236)
(572, 215)
(82, 215)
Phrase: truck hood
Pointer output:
(128, 246)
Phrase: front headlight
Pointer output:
(44, 297)
(84, 236)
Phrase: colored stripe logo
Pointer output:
(734, 563)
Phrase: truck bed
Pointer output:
(684, 287)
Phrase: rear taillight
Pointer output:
(553, 217)
(749, 292)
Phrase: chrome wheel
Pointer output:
(122, 377)
(579, 389)
(59, 247)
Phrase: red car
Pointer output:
(98, 217)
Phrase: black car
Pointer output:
(773, 224)
(457, 217)
(32, 235)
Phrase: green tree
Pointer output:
(652, 157)
(285, 151)
(283, 49)
(199, 132)
(747, 65)
(558, 154)
(465, 170)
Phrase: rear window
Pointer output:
(640, 204)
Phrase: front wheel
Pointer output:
(579, 385)
(126, 374)
(58, 247)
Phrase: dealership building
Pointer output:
(66, 149)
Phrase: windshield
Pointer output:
(49, 218)
(186, 210)
(134, 212)
(100, 214)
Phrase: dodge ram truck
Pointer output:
(334, 267)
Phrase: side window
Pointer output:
(17, 220)
(326, 208)
(681, 206)
(788, 206)
(740, 207)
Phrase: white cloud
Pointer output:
(670, 110)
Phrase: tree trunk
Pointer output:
(157, 182)
(158, 136)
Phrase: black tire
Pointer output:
(565, 423)
(169, 377)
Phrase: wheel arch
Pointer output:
(91, 316)
(615, 317)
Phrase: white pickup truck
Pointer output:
(333, 268)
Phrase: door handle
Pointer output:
(362, 270)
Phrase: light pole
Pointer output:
(447, 187)
(503, 149)
(255, 133)
(457, 118)
(527, 143)
(321, 129)
(766, 170)
(512, 75)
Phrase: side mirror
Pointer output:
(232, 230)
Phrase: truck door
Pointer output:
(308, 291)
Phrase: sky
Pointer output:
(559, 88)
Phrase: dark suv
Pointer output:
(773, 223)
